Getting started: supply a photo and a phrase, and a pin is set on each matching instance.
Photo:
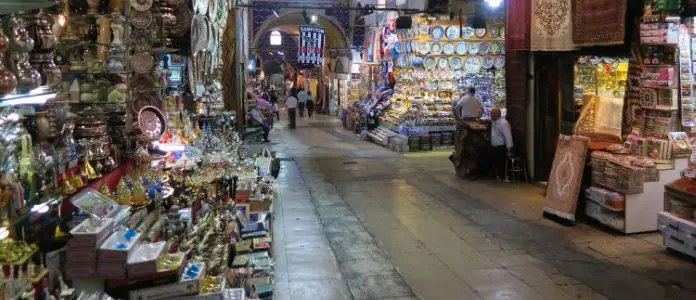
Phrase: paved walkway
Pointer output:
(357, 221)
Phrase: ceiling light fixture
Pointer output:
(494, 3)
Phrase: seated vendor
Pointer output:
(493, 159)
(256, 118)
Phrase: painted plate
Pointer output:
(141, 5)
(480, 32)
(142, 63)
(429, 63)
(443, 63)
(458, 74)
(495, 48)
(436, 48)
(424, 48)
(151, 122)
(455, 63)
(494, 32)
(417, 60)
(472, 65)
(448, 49)
(473, 48)
(453, 32)
(499, 62)
(501, 31)
(437, 32)
(487, 62)
(423, 29)
(467, 32)
(484, 48)
(461, 48)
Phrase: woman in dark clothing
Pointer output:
(310, 104)
(274, 100)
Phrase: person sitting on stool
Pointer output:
(500, 148)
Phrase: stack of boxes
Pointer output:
(81, 252)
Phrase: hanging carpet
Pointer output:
(599, 22)
(552, 25)
(566, 176)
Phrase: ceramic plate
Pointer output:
(499, 62)
(473, 48)
(423, 29)
(436, 48)
(495, 48)
(467, 32)
(453, 32)
(461, 48)
(487, 62)
(480, 32)
(472, 65)
(437, 32)
(141, 19)
(424, 48)
(494, 32)
(417, 60)
(429, 63)
(458, 74)
(455, 63)
(443, 63)
(448, 48)
(484, 48)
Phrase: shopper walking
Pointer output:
(291, 102)
(274, 104)
(310, 104)
(301, 100)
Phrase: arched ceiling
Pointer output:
(289, 23)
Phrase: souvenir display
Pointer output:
(473, 48)
(443, 63)
(437, 32)
(453, 32)
(448, 49)
(461, 48)
(467, 32)
(455, 63)
(487, 62)
(484, 48)
(436, 48)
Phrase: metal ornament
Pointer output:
(141, 5)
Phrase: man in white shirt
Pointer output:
(469, 107)
(501, 145)
(301, 100)
(291, 103)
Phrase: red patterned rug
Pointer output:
(566, 176)
(599, 22)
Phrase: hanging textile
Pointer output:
(552, 25)
(599, 22)
(518, 18)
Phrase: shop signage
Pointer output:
(312, 40)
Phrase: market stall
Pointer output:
(432, 64)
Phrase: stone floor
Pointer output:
(357, 221)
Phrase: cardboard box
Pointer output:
(108, 253)
(182, 288)
(145, 258)
(75, 254)
(90, 239)
(112, 270)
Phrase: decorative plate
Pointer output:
(473, 48)
(480, 32)
(495, 48)
(199, 34)
(484, 48)
(472, 65)
(141, 83)
(141, 101)
(461, 48)
(151, 122)
(455, 63)
(443, 63)
(423, 29)
(487, 62)
(467, 32)
(453, 32)
(494, 32)
(448, 48)
(437, 32)
(436, 48)
(417, 60)
(183, 21)
(401, 61)
(141, 19)
(499, 62)
(501, 31)
(424, 48)
(213, 7)
(142, 63)
(458, 74)
(141, 5)
(429, 63)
